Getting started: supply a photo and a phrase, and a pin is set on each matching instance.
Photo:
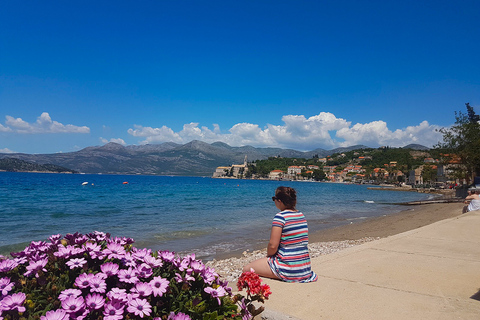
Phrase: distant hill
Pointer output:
(416, 147)
(17, 165)
(195, 158)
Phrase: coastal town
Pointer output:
(407, 167)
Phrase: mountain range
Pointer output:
(195, 158)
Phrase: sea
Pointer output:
(209, 217)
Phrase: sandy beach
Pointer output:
(346, 236)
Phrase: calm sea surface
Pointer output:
(209, 217)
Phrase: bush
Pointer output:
(95, 276)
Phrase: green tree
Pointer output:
(429, 173)
(318, 175)
(463, 141)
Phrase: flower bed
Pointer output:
(95, 276)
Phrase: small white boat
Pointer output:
(85, 183)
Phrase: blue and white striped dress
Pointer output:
(291, 263)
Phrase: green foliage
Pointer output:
(462, 140)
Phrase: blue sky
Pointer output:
(290, 74)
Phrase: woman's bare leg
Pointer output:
(261, 268)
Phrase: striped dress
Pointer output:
(291, 263)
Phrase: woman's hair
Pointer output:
(287, 195)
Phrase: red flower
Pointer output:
(253, 284)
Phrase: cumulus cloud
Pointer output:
(116, 140)
(44, 124)
(324, 130)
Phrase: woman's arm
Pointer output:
(274, 242)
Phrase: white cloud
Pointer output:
(324, 130)
(116, 140)
(6, 150)
(377, 133)
(5, 129)
(44, 124)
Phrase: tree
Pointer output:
(318, 175)
(463, 141)
(429, 173)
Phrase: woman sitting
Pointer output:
(473, 201)
(287, 252)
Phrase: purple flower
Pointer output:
(197, 266)
(94, 301)
(143, 289)
(73, 304)
(167, 255)
(109, 268)
(209, 275)
(7, 265)
(127, 275)
(21, 260)
(5, 286)
(76, 263)
(179, 278)
(139, 307)
(128, 260)
(245, 313)
(159, 286)
(94, 249)
(68, 251)
(97, 284)
(99, 236)
(83, 280)
(35, 266)
(140, 254)
(55, 239)
(114, 251)
(216, 293)
(113, 311)
(178, 316)
(183, 264)
(59, 314)
(69, 293)
(15, 301)
(153, 262)
(123, 241)
(117, 294)
(144, 271)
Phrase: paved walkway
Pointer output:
(431, 272)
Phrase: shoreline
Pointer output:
(341, 237)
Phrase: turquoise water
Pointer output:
(198, 215)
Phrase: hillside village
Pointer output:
(392, 165)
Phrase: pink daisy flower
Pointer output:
(59, 314)
(97, 284)
(113, 311)
(15, 301)
(139, 307)
(69, 293)
(83, 280)
(94, 301)
(109, 268)
(5, 286)
(159, 286)
(76, 263)
(127, 275)
(73, 304)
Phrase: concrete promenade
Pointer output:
(432, 272)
